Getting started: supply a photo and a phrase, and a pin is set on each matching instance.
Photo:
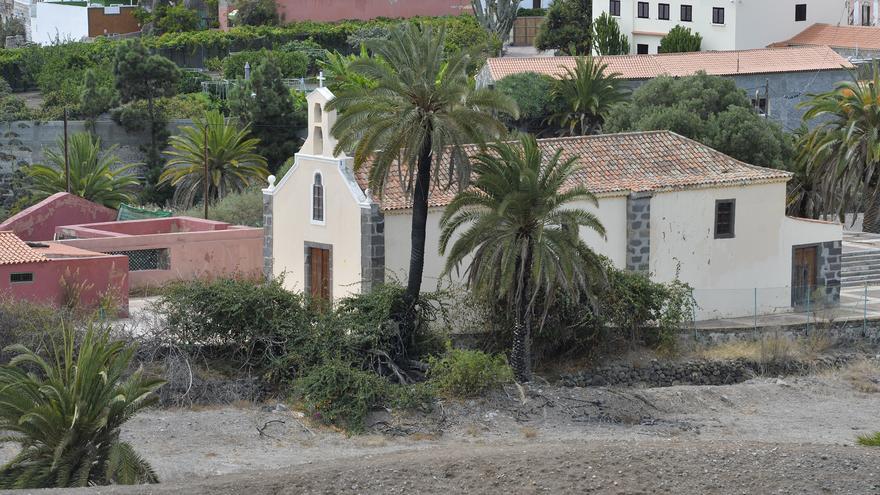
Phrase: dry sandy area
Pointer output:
(795, 435)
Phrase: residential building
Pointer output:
(63, 21)
(776, 79)
(856, 43)
(50, 272)
(724, 25)
(671, 208)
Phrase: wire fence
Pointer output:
(791, 305)
(220, 88)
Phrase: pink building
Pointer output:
(163, 250)
(51, 273)
(337, 10)
(38, 222)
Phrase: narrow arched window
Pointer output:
(318, 199)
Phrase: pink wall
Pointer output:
(139, 227)
(38, 222)
(336, 10)
(96, 276)
(237, 251)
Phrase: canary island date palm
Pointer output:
(419, 109)
(585, 95)
(95, 175)
(233, 161)
(518, 229)
(845, 146)
(65, 409)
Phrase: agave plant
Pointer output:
(65, 410)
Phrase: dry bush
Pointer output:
(529, 432)
(863, 375)
(768, 349)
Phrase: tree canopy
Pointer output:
(680, 39)
(567, 27)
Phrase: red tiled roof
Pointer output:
(621, 163)
(759, 61)
(853, 37)
(14, 251)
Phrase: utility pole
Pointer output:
(767, 97)
(207, 178)
(66, 155)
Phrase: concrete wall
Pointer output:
(51, 22)
(234, 252)
(38, 222)
(725, 273)
(96, 277)
(748, 23)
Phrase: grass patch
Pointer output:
(871, 440)
(769, 349)
(863, 375)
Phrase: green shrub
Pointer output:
(419, 396)
(191, 81)
(337, 394)
(26, 323)
(66, 413)
(466, 373)
(291, 64)
(256, 325)
(244, 208)
(532, 94)
(869, 440)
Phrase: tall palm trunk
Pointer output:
(520, 355)
(417, 233)
(871, 221)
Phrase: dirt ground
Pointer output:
(768, 435)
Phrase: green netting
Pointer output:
(127, 212)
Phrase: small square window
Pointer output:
(663, 11)
(644, 10)
(760, 104)
(687, 13)
(614, 8)
(21, 278)
(800, 12)
(725, 216)
(642, 49)
(717, 15)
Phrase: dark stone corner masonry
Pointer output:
(638, 232)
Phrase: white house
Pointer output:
(723, 24)
(52, 22)
(671, 207)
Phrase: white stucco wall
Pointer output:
(293, 225)
(55, 21)
(611, 212)
(747, 23)
(725, 273)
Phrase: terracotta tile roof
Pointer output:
(621, 163)
(854, 37)
(14, 251)
(759, 61)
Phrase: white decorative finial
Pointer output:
(321, 79)
(369, 194)
(271, 180)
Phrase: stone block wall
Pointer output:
(829, 260)
(638, 233)
(372, 247)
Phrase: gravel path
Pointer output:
(763, 436)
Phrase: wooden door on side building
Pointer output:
(804, 269)
(318, 263)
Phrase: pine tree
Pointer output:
(607, 38)
(680, 39)
(95, 99)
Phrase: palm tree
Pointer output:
(94, 175)
(521, 227)
(66, 412)
(421, 108)
(585, 95)
(845, 147)
(232, 162)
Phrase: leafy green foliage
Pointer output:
(607, 38)
(66, 413)
(27, 323)
(11, 26)
(708, 109)
(518, 232)
(95, 174)
(567, 28)
(256, 13)
(168, 18)
(266, 104)
(466, 373)
(95, 100)
(335, 393)
(291, 64)
(233, 163)
(191, 81)
(238, 208)
(496, 16)
(585, 95)
(532, 94)
(680, 39)
(869, 440)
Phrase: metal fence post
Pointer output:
(865, 311)
(756, 310)
(809, 296)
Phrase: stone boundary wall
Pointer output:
(658, 374)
